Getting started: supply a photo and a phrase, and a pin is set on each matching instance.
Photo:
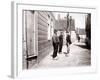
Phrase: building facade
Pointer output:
(38, 29)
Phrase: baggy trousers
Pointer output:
(60, 47)
(55, 47)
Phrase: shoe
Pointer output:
(56, 58)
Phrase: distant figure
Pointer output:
(78, 37)
(68, 42)
(55, 41)
(60, 42)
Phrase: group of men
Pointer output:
(58, 43)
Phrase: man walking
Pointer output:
(55, 41)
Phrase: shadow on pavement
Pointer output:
(82, 46)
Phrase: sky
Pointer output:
(79, 18)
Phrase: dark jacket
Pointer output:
(61, 39)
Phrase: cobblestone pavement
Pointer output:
(78, 56)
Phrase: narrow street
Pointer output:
(43, 26)
(78, 56)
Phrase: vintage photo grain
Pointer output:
(52, 39)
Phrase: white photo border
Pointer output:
(16, 55)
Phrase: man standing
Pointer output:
(60, 42)
(55, 41)
(68, 42)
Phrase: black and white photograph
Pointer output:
(55, 39)
(52, 40)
